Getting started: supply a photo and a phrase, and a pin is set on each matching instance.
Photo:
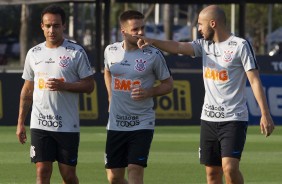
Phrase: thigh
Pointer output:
(67, 172)
(116, 175)
(209, 151)
(139, 147)
(67, 147)
(116, 150)
(233, 138)
(43, 146)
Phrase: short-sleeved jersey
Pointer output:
(128, 68)
(55, 110)
(224, 67)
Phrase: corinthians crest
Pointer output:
(64, 61)
(140, 65)
(228, 56)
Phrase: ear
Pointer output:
(212, 23)
(41, 25)
(122, 31)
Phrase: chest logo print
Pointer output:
(140, 65)
(64, 61)
(216, 75)
(228, 56)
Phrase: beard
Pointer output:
(210, 34)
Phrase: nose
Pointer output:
(141, 31)
(51, 29)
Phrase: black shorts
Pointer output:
(221, 139)
(51, 146)
(127, 147)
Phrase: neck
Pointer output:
(129, 47)
(221, 35)
(54, 45)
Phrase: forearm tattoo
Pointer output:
(25, 103)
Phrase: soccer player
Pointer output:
(55, 72)
(228, 61)
(130, 74)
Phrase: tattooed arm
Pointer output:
(25, 104)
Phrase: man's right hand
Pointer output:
(21, 134)
(143, 41)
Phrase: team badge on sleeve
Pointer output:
(140, 65)
(36, 49)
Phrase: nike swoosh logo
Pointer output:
(142, 158)
(236, 152)
(73, 160)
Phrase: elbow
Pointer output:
(90, 88)
(170, 88)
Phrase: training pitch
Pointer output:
(173, 158)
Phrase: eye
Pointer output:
(56, 25)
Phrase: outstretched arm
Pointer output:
(266, 122)
(170, 46)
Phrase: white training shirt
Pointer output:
(142, 67)
(55, 110)
(224, 67)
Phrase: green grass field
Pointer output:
(173, 157)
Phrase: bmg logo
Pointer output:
(177, 104)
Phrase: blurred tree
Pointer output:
(256, 19)
(10, 23)
(256, 23)
(277, 21)
(168, 21)
(116, 10)
(24, 33)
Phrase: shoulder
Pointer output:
(201, 41)
(238, 41)
(242, 44)
(113, 47)
(73, 46)
(36, 49)
(151, 50)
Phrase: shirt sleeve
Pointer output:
(197, 46)
(248, 59)
(106, 65)
(84, 68)
(28, 73)
(161, 69)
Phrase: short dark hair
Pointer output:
(54, 9)
(130, 14)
